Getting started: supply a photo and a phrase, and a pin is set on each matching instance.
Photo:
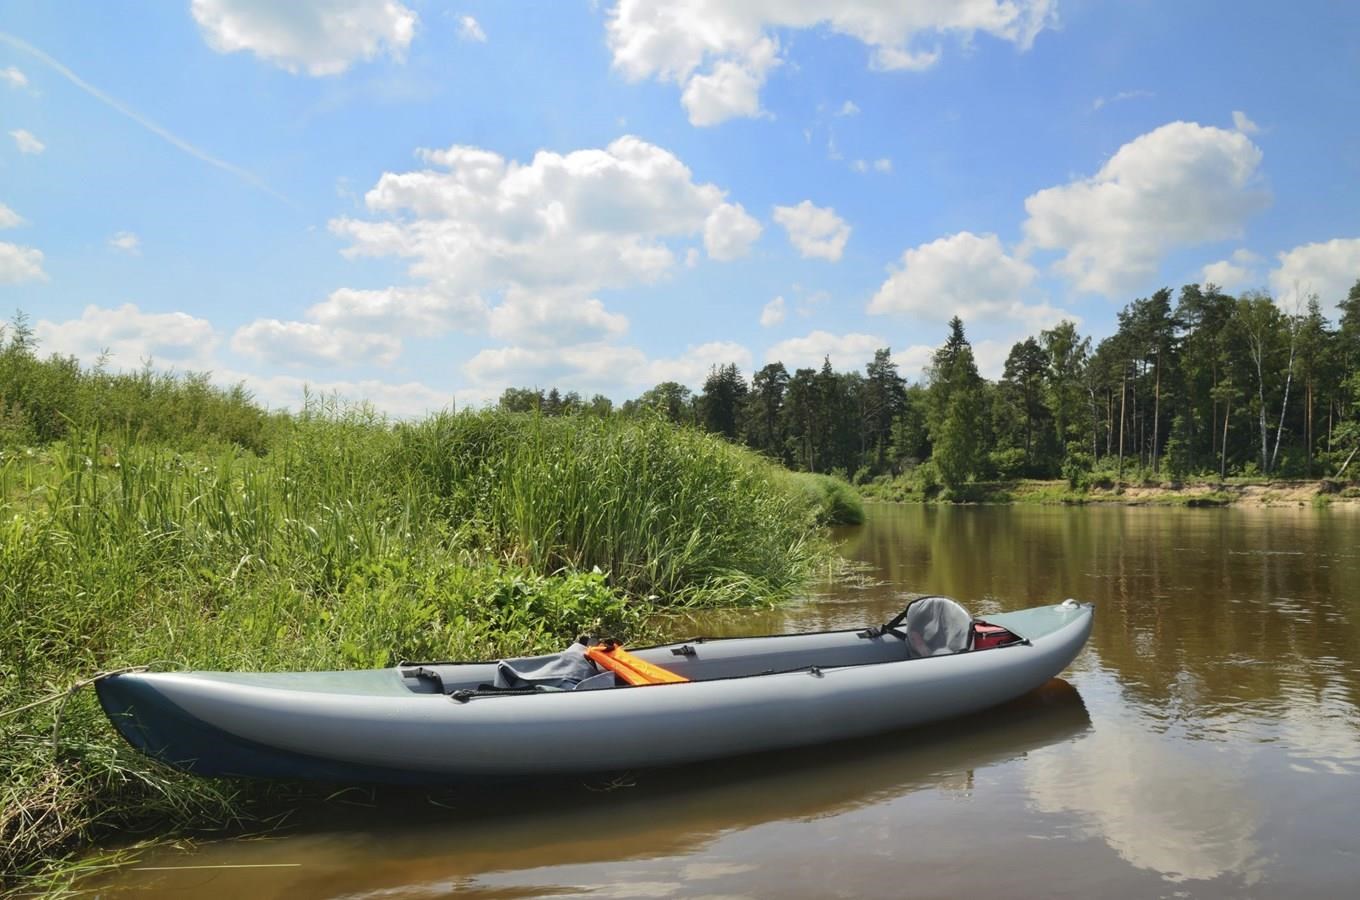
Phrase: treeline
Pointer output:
(1202, 384)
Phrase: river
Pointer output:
(1205, 744)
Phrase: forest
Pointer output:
(1202, 384)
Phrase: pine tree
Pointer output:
(721, 404)
(956, 419)
(884, 399)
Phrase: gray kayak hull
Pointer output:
(385, 726)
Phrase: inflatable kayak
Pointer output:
(584, 712)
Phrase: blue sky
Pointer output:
(420, 203)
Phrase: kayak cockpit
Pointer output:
(929, 627)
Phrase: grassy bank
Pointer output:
(1143, 492)
(835, 499)
(348, 542)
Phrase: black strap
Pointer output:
(891, 626)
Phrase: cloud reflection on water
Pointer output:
(1182, 808)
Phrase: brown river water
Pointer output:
(1205, 744)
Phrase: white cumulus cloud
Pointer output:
(729, 232)
(545, 235)
(469, 29)
(773, 313)
(397, 310)
(9, 218)
(307, 343)
(182, 341)
(585, 219)
(1328, 269)
(320, 37)
(19, 264)
(592, 367)
(130, 337)
(1231, 274)
(13, 77)
(581, 367)
(990, 354)
(26, 142)
(127, 242)
(692, 367)
(966, 275)
(404, 400)
(815, 231)
(720, 52)
(914, 361)
(846, 351)
(732, 89)
(546, 318)
(1179, 185)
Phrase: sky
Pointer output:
(420, 204)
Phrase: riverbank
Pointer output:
(350, 542)
(1194, 492)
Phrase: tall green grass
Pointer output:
(350, 543)
(665, 512)
(835, 500)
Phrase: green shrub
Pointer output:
(1007, 463)
(833, 501)
(926, 479)
(43, 400)
(1076, 466)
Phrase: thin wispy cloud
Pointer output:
(127, 242)
(1242, 123)
(469, 29)
(174, 140)
(27, 142)
(1101, 102)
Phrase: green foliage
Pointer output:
(833, 499)
(1178, 459)
(670, 399)
(720, 406)
(1076, 468)
(42, 400)
(660, 510)
(350, 543)
(956, 409)
(926, 479)
(1008, 462)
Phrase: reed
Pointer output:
(671, 513)
(351, 542)
(836, 502)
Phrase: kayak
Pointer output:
(428, 723)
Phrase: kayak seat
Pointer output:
(935, 626)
